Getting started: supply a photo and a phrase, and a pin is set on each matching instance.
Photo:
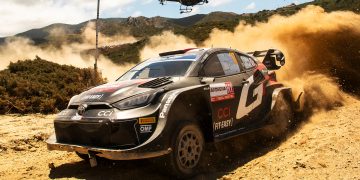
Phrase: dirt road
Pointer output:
(326, 147)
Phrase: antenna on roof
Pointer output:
(97, 37)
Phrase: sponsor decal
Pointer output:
(233, 57)
(92, 97)
(223, 113)
(105, 113)
(167, 104)
(223, 124)
(243, 110)
(221, 91)
(147, 120)
(145, 128)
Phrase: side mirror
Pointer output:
(207, 80)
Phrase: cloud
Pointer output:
(21, 15)
(195, 10)
(216, 3)
(251, 6)
(136, 14)
(144, 2)
(28, 2)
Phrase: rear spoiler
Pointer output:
(273, 58)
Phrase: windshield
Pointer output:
(169, 67)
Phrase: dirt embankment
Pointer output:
(325, 146)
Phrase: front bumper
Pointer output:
(113, 154)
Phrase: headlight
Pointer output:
(139, 100)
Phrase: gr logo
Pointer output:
(243, 110)
(145, 128)
(105, 113)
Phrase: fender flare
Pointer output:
(286, 90)
(165, 107)
(171, 97)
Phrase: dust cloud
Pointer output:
(18, 48)
(322, 50)
(167, 41)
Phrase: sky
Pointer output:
(21, 15)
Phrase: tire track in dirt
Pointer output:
(325, 146)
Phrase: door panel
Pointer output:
(236, 93)
(224, 110)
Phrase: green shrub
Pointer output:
(40, 86)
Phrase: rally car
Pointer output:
(174, 104)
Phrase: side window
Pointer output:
(229, 63)
(213, 67)
(247, 61)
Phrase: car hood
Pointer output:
(112, 92)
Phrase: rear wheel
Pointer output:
(281, 118)
(188, 147)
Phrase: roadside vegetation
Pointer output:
(40, 86)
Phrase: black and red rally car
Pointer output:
(174, 104)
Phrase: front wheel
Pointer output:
(187, 152)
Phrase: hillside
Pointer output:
(40, 86)
(145, 27)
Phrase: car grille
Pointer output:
(97, 133)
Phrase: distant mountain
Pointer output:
(196, 27)
(140, 27)
(188, 21)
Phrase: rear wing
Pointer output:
(273, 58)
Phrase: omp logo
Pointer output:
(242, 108)
(105, 113)
(145, 128)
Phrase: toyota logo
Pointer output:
(82, 108)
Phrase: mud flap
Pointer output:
(92, 159)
